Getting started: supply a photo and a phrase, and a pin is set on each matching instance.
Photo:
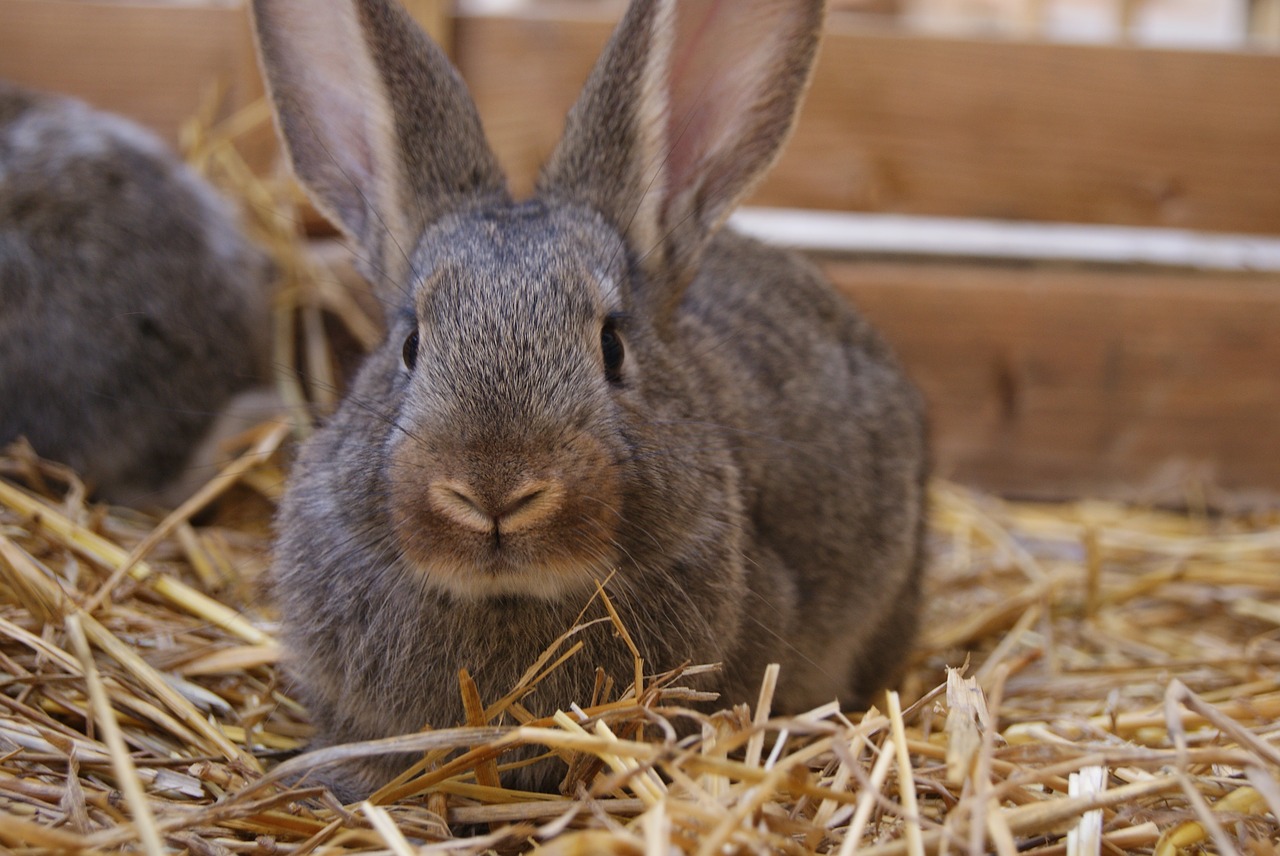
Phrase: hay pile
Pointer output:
(1122, 687)
(1091, 677)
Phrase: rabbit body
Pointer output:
(131, 306)
(568, 394)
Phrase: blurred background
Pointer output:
(1064, 214)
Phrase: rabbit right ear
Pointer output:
(688, 106)
(377, 122)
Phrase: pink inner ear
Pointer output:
(338, 82)
(721, 64)
(344, 127)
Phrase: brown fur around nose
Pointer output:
(532, 522)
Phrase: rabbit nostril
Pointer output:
(466, 500)
(456, 502)
(516, 503)
(529, 504)
(519, 509)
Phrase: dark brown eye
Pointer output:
(611, 348)
(410, 352)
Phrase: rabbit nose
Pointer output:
(511, 511)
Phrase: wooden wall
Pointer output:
(1049, 381)
(153, 63)
(1043, 379)
(952, 127)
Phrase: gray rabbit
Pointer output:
(132, 308)
(597, 379)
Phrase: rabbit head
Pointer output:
(507, 318)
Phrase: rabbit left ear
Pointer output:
(377, 122)
(686, 109)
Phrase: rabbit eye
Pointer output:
(611, 348)
(410, 352)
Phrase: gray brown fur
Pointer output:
(755, 478)
(131, 306)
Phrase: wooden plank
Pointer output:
(435, 17)
(1043, 380)
(1055, 382)
(956, 127)
(524, 72)
(1052, 382)
(848, 233)
(153, 63)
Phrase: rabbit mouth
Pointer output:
(503, 516)
(507, 567)
(547, 536)
(503, 564)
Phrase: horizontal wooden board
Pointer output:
(153, 63)
(1043, 380)
(893, 123)
(1052, 382)
(853, 233)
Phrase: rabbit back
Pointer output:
(131, 305)
(829, 435)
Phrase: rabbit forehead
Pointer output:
(526, 254)
(509, 304)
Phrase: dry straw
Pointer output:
(1144, 724)
(1092, 678)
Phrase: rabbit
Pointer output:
(596, 383)
(132, 307)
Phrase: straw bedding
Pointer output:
(1091, 677)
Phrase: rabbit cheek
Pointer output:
(526, 525)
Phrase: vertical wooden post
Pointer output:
(1264, 22)
(1126, 14)
(1030, 19)
(436, 18)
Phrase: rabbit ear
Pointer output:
(376, 120)
(689, 105)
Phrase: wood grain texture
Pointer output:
(435, 17)
(1054, 382)
(1042, 380)
(951, 127)
(153, 63)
